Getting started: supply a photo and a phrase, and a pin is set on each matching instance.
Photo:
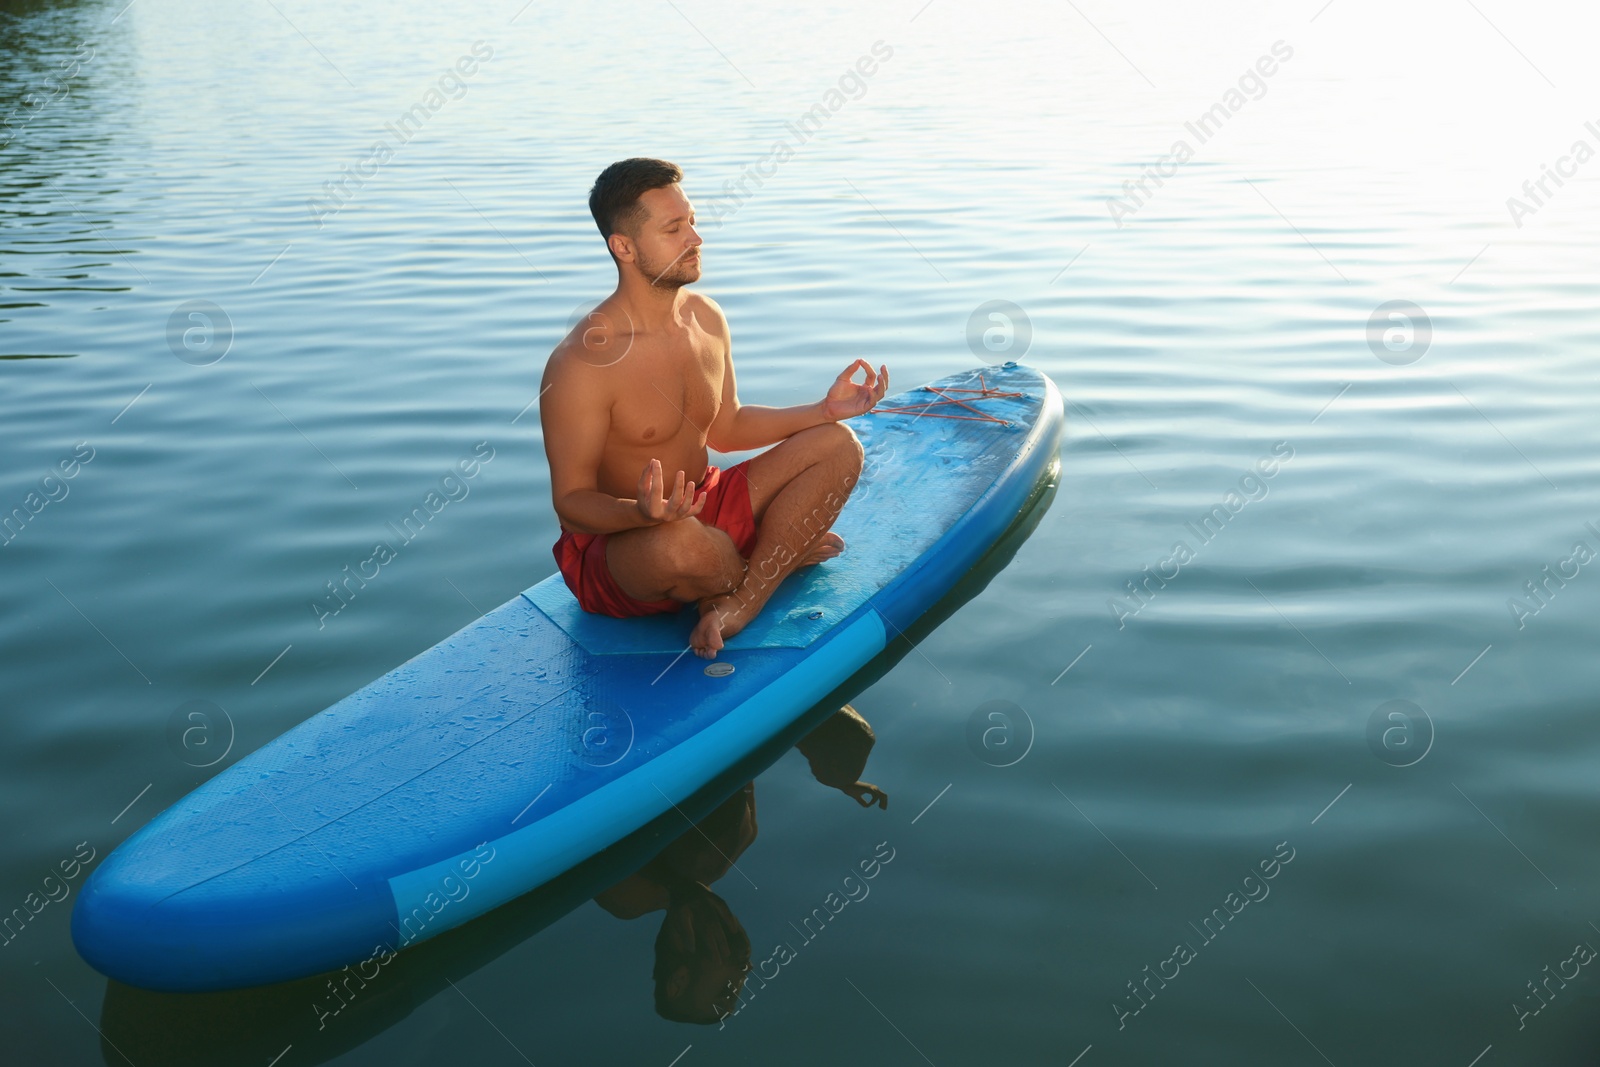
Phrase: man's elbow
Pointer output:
(566, 518)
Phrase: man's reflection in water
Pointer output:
(702, 951)
(838, 750)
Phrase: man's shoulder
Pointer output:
(706, 311)
(596, 341)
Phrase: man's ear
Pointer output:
(621, 246)
(677, 983)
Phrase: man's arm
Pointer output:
(740, 427)
(576, 412)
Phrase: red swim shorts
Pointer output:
(582, 556)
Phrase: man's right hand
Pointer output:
(656, 506)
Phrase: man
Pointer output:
(635, 394)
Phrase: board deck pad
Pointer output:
(540, 734)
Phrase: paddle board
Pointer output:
(539, 735)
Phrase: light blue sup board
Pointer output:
(539, 735)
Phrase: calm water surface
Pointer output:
(1322, 509)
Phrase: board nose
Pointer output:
(225, 933)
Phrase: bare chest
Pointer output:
(668, 397)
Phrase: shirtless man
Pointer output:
(635, 394)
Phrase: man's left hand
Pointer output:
(847, 399)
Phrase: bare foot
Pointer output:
(714, 627)
(722, 617)
(828, 545)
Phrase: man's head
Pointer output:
(702, 957)
(647, 221)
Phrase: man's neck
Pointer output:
(655, 309)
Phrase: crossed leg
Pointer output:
(797, 489)
(685, 560)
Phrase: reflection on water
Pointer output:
(837, 754)
(702, 951)
(59, 241)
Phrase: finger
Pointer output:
(699, 503)
(686, 505)
(849, 373)
(676, 499)
(647, 492)
(659, 498)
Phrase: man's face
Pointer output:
(667, 247)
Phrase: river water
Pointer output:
(1296, 752)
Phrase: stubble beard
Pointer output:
(674, 274)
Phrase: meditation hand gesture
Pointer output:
(866, 794)
(846, 399)
(654, 505)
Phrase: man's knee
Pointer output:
(700, 560)
(839, 442)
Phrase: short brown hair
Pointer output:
(614, 200)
